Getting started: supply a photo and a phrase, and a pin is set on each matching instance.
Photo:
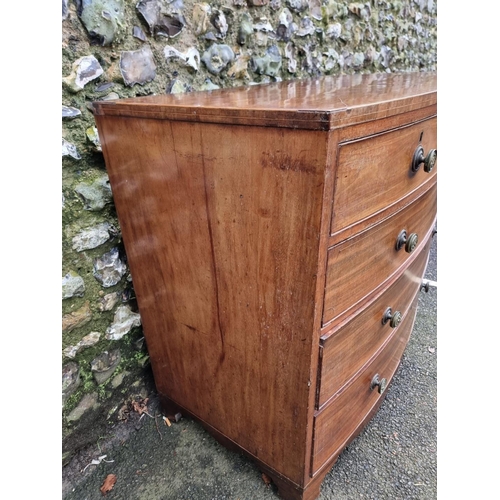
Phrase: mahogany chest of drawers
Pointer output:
(277, 236)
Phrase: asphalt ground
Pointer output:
(394, 457)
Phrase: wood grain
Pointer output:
(322, 103)
(223, 250)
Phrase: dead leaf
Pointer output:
(140, 406)
(108, 484)
(266, 479)
(124, 413)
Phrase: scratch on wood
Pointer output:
(212, 249)
(284, 161)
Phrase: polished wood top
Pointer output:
(321, 103)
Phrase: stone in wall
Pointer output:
(161, 20)
(331, 60)
(334, 31)
(109, 301)
(315, 9)
(209, 85)
(88, 402)
(245, 29)
(139, 33)
(290, 54)
(361, 10)
(70, 379)
(358, 59)
(201, 18)
(137, 66)
(125, 319)
(69, 149)
(89, 340)
(306, 27)
(95, 195)
(240, 68)
(118, 379)
(191, 57)
(77, 318)
(93, 237)
(84, 70)
(176, 87)
(269, 64)
(69, 112)
(387, 54)
(263, 32)
(104, 86)
(297, 5)
(219, 22)
(93, 137)
(286, 27)
(72, 285)
(313, 62)
(217, 57)
(109, 269)
(104, 365)
(103, 19)
(371, 55)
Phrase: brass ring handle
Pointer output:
(380, 383)
(418, 158)
(394, 318)
(409, 242)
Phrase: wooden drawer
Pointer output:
(360, 264)
(344, 416)
(375, 172)
(349, 346)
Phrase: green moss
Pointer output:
(132, 361)
(102, 393)
(87, 385)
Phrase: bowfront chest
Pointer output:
(277, 236)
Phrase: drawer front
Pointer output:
(375, 172)
(345, 415)
(360, 264)
(349, 347)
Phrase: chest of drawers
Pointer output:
(277, 236)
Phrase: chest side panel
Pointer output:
(221, 226)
